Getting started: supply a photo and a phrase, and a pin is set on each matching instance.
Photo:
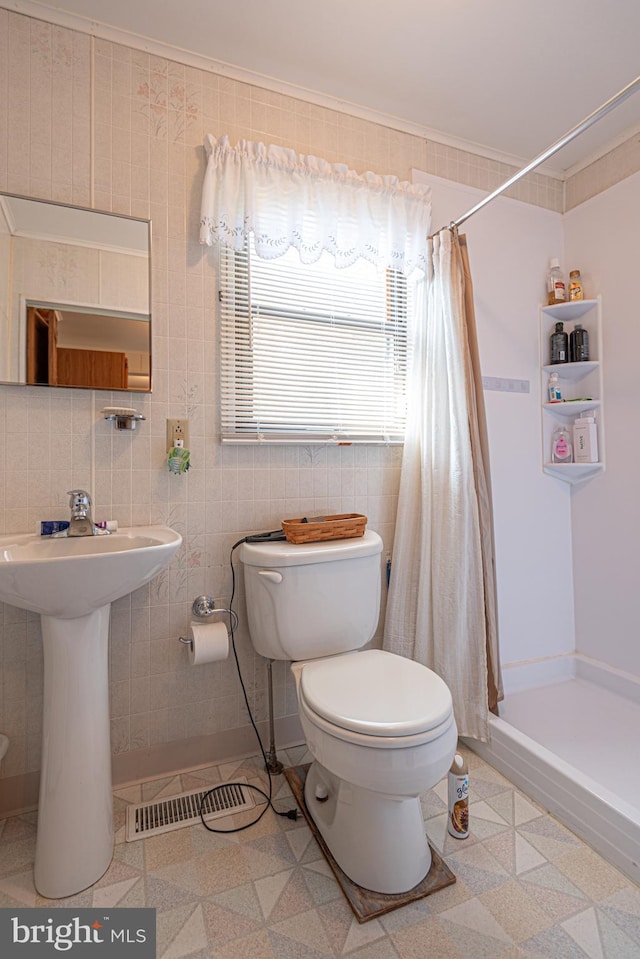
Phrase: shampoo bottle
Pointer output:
(559, 345)
(578, 344)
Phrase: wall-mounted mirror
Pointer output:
(75, 296)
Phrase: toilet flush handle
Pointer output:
(271, 574)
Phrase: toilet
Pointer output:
(380, 727)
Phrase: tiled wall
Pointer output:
(94, 123)
(617, 165)
(484, 174)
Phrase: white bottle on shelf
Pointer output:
(585, 438)
(555, 394)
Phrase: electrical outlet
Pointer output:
(177, 430)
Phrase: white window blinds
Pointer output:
(309, 352)
(313, 294)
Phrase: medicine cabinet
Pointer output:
(580, 384)
(75, 288)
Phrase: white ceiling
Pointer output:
(508, 76)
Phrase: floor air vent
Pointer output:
(152, 818)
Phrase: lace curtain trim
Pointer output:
(289, 200)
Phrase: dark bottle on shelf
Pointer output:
(559, 345)
(578, 344)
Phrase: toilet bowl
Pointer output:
(363, 790)
(380, 727)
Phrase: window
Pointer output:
(311, 353)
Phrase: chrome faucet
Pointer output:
(81, 522)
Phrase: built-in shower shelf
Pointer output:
(580, 385)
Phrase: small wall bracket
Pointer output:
(205, 606)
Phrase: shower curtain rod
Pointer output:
(549, 152)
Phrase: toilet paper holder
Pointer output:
(205, 606)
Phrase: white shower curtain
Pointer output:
(436, 610)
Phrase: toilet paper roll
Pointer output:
(209, 643)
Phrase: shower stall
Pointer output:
(568, 728)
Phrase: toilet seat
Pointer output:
(375, 697)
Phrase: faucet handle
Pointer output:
(79, 499)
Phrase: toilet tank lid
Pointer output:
(376, 692)
(302, 554)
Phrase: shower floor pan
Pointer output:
(567, 735)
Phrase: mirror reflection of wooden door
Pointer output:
(51, 365)
(42, 346)
(99, 369)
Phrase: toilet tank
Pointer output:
(312, 600)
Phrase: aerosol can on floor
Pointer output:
(458, 783)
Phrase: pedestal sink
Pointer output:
(72, 582)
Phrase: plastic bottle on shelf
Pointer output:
(556, 289)
(561, 445)
(578, 344)
(585, 438)
(575, 286)
(559, 345)
(555, 394)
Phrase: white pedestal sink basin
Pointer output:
(71, 582)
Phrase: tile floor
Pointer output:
(526, 887)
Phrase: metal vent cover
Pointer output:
(174, 812)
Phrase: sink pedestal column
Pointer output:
(75, 819)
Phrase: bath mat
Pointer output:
(365, 903)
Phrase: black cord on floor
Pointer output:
(289, 813)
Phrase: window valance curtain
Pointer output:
(289, 200)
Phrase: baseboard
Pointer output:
(169, 759)
(19, 794)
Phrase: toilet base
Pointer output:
(377, 840)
